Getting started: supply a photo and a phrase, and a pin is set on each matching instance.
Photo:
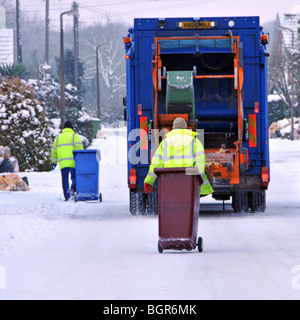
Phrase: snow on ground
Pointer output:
(52, 249)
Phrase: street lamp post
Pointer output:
(98, 83)
(62, 71)
(44, 68)
(292, 77)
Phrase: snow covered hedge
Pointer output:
(282, 129)
(277, 108)
(24, 127)
(48, 93)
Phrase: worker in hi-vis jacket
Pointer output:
(62, 153)
(180, 148)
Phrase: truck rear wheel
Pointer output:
(137, 202)
(240, 201)
(152, 203)
(257, 201)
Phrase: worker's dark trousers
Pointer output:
(65, 180)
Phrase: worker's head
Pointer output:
(68, 124)
(179, 123)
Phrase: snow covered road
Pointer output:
(51, 249)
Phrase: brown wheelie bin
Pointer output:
(178, 208)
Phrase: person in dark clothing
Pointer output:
(6, 165)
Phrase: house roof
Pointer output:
(290, 21)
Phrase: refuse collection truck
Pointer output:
(213, 73)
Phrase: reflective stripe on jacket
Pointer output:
(63, 146)
(180, 148)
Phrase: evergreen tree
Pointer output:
(75, 112)
(48, 93)
(69, 70)
(24, 127)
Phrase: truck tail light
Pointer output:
(132, 179)
(127, 57)
(265, 176)
(140, 111)
(256, 107)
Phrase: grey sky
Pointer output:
(126, 10)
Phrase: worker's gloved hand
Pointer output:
(148, 188)
(53, 165)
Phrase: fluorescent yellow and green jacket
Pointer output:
(63, 146)
(180, 148)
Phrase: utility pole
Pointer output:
(98, 82)
(19, 45)
(47, 33)
(76, 45)
(62, 67)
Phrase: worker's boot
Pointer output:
(72, 191)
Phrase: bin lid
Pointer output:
(87, 150)
(189, 171)
(180, 79)
(96, 151)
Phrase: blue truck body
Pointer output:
(228, 60)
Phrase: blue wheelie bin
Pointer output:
(87, 174)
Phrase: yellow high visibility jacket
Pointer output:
(180, 148)
(63, 146)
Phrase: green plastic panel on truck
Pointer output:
(180, 96)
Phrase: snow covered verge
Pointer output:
(52, 249)
(25, 215)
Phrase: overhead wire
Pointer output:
(96, 8)
(148, 9)
(120, 15)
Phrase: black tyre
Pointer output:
(137, 202)
(200, 244)
(240, 201)
(100, 197)
(257, 201)
(152, 203)
(160, 249)
(132, 203)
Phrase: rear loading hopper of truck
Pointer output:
(220, 67)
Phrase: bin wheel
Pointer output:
(200, 244)
(160, 249)
(100, 197)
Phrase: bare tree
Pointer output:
(110, 61)
(284, 75)
(10, 12)
(111, 66)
